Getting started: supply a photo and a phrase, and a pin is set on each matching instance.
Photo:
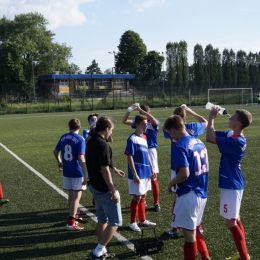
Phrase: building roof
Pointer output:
(86, 76)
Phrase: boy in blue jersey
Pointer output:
(151, 134)
(140, 172)
(232, 146)
(92, 120)
(70, 155)
(194, 129)
(191, 165)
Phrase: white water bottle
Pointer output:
(222, 110)
(132, 108)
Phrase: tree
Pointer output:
(27, 50)
(242, 69)
(183, 52)
(198, 67)
(229, 68)
(131, 52)
(93, 68)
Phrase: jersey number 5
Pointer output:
(202, 162)
(68, 153)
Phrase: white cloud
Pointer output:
(148, 4)
(57, 12)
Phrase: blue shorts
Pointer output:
(105, 209)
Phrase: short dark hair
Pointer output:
(174, 122)
(140, 118)
(103, 123)
(74, 124)
(244, 117)
(180, 112)
(145, 108)
(91, 115)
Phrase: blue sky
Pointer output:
(94, 27)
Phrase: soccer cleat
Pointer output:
(172, 233)
(74, 227)
(91, 256)
(236, 257)
(157, 208)
(134, 227)
(147, 223)
(2, 201)
(109, 255)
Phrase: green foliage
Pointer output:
(93, 68)
(131, 52)
(27, 50)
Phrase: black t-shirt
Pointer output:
(98, 153)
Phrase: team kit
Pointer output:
(87, 161)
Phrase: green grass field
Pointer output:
(33, 222)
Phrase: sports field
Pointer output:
(33, 222)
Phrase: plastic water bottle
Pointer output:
(222, 110)
(132, 108)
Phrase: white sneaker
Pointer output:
(147, 223)
(134, 227)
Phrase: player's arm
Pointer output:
(133, 170)
(210, 133)
(182, 176)
(58, 158)
(148, 115)
(109, 181)
(125, 119)
(82, 162)
(198, 117)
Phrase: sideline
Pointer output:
(119, 237)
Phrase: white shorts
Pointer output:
(188, 211)
(154, 159)
(73, 183)
(230, 203)
(173, 175)
(139, 189)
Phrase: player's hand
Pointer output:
(136, 179)
(170, 187)
(214, 111)
(120, 173)
(115, 197)
(60, 166)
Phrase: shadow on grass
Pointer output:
(40, 234)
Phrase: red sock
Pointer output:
(156, 191)
(239, 223)
(133, 210)
(240, 242)
(190, 250)
(201, 245)
(141, 210)
(71, 222)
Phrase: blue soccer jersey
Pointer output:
(86, 132)
(151, 133)
(71, 145)
(192, 153)
(232, 150)
(194, 129)
(137, 147)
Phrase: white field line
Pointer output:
(119, 237)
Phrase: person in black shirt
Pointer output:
(102, 185)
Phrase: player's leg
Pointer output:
(134, 212)
(230, 202)
(201, 244)
(155, 185)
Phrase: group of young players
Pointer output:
(189, 174)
